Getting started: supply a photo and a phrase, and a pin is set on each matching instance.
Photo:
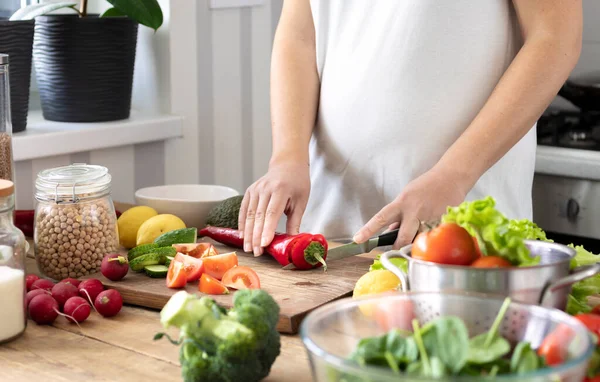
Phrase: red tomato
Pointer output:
(491, 262)
(217, 265)
(592, 379)
(554, 347)
(591, 321)
(477, 248)
(447, 243)
(396, 315)
(210, 285)
(176, 277)
(241, 278)
(193, 267)
(596, 310)
(197, 250)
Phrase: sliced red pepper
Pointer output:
(309, 251)
(227, 236)
(281, 248)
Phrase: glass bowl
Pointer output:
(331, 332)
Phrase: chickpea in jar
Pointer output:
(73, 238)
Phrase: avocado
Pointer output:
(226, 213)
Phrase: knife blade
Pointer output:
(353, 249)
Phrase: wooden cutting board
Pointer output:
(296, 292)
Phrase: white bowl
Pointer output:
(190, 202)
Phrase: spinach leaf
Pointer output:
(370, 351)
(489, 346)
(385, 350)
(403, 349)
(524, 359)
(438, 369)
(447, 338)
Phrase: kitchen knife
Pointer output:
(353, 249)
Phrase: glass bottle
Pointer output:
(6, 153)
(13, 317)
(75, 220)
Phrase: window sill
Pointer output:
(46, 138)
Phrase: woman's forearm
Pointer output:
(294, 83)
(521, 96)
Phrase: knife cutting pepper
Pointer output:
(304, 251)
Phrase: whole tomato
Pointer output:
(491, 262)
(447, 243)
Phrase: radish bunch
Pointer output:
(70, 298)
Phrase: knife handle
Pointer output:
(388, 238)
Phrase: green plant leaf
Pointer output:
(479, 353)
(524, 359)
(404, 350)
(113, 12)
(448, 340)
(145, 12)
(35, 10)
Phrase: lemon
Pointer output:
(156, 226)
(130, 221)
(375, 282)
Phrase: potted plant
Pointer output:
(16, 39)
(84, 62)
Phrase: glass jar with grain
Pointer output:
(13, 318)
(6, 154)
(75, 220)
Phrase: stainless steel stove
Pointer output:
(566, 189)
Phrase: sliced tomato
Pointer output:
(210, 285)
(217, 265)
(193, 267)
(176, 277)
(491, 262)
(555, 346)
(241, 278)
(591, 321)
(197, 250)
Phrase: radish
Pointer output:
(109, 303)
(90, 288)
(42, 284)
(77, 309)
(30, 279)
(43, 309)
(32, 293)
(114, 267)
(61, 292)
(72, 281)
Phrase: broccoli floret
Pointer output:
(260, 298)
(240, 344)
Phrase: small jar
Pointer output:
(75, 220)
(7, 168)
(13, 317)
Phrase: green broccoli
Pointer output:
(239, 344)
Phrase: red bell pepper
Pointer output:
(591, 321)
(305, 251)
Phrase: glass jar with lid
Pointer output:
(75, 220)
(7, 170)
(13, 318)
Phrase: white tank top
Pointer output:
(400, 81)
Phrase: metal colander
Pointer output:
(331, 332)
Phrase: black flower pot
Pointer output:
(84, 67)
(16, 39)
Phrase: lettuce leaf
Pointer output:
(500, 236)
(583, 257)
(398, 262)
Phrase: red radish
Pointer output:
(61, 292)
(90, 288)
(77, 309)
(109, 303)
(71, 281)
(43, 309)
(30, 279)
(114, 267)
(32, 293)
(42, 284)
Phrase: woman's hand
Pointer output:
(424, 199)
(284, 189)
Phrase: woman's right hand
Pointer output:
(283, 189)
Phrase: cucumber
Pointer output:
(168, 261)
(166, 251)
(140, 250)
(140, 262)
(178, 236)
(156, 271)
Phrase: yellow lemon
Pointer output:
(375, 282)
(130, 221)
(156, 226)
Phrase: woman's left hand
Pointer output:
(424, 199)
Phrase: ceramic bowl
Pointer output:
(190, 202)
